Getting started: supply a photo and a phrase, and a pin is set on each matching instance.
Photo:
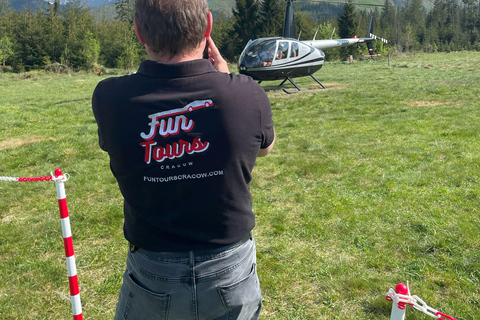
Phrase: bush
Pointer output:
(6, 69)
(58, 68)
(99, 70)
(32, 74)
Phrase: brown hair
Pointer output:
(172, 27)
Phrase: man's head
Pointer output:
(172, 27)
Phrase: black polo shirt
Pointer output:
(182, 140)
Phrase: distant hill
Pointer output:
(104, 8)
(225, 6)
(35, 4)
(104, 12)
(28, 4)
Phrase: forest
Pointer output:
(56, 38)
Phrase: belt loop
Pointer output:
(133, 248)
(192, 258)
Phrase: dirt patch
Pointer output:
(415, 103)
(19, 142)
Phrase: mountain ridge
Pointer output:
(216, 6)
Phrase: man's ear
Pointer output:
(209, 24)
(137, 31)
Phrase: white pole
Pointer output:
(397, 314)
(398, 309)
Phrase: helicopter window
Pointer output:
(260, 54)
(282, 51)
(294, 52)
(304, 49)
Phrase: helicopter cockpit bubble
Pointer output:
(258, 53)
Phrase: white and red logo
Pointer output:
(171, 123)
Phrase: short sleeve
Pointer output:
(268, 133)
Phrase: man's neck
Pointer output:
(194, 55)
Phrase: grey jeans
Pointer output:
(208, 285)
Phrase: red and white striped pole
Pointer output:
(67, 241)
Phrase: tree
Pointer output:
(245, 23)
(347, 26)
(54, 32)
(125, 10)
(129, 56)
(78, 22)
(471, 21)
(110, 35)
(304, 24)
(387, 22)
(3, 6)
(91, 50)
(444, 20)
(271, 18)
(221, 34)
(29, 41)
(6, 49)
(415, 16)
(325, 32)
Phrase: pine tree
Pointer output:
(304, 24)
(78, 21)
(220, 33)
(3, 6)
(125, 10)
(347, 26)
(387, 22)
(110, 36)
(245, 22)
(415, 16)
(271, 17)
(471, 22)
(29, 42)
(54, 32)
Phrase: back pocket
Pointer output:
(243, 298)
(142, 304)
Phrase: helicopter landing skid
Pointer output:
(298, 88)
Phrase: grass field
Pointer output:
(372, 182)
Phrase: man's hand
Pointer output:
(215, 57)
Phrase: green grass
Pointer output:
(372, 182)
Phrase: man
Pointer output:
(183, 135)
(263, 57)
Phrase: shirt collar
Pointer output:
(181, 69)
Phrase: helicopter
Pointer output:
(277, 58)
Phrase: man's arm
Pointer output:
(264, 152)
